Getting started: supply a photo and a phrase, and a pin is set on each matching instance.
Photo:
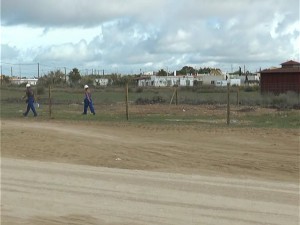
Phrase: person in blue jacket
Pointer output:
(30, 100)
(88, 101)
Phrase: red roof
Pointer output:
(287, 67)
(282, 70)
(290, 63)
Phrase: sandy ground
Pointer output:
(51, 193)
(57, 173)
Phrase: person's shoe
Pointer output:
(94, 114)
(83, 113)
(24, 115)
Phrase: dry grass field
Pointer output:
(195, 172)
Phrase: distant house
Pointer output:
(101, 82)
(208, 79)
(166, 81)
(281, 80)
(18, 81)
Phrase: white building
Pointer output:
(18, 81)
(208, 79)
(221, 83)
(216, 78)
(101, 82)
(167, 81)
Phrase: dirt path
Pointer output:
(271, 154)
(48, 193)
(53, 173)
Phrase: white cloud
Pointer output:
(150, 33)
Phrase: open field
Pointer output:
(167, 165)
(195, 107)
(39, 193)
(192, 174)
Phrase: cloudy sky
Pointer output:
(129, 36)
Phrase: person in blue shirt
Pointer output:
(30, 100)
(88, 101)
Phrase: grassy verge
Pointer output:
(160, 114)
(196, 108)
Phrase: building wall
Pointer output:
(101, 82)
(210, 80)
(24, 81)
(280, 82)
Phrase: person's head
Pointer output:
(27, 85)
(86, 87)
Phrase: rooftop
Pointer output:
(286, 67)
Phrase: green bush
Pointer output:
(146, 101)
(251, 88)
(40, 90)
(139, 90)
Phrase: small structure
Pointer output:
(101, 82)
(281, 80)
(167, 81)
(18, 81)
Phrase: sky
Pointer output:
(133, 36)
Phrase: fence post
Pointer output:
(228, 103)
(50, 103)
(176, 95)
(126, 101)
(237, 96)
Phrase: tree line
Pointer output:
(74, 78)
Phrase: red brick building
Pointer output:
(281, 80)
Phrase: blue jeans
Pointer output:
(30, 106)
(87, 104)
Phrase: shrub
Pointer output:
(146, 101)
(251, 88)
(139, 90)
(40, 90)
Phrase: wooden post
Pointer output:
(38, 70)
(50, 102)
(176, 95)
(228, 103)
(1, 75)
(173, 96)
(126, 101)
(237, 96)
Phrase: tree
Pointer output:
(187, 70)
(162, 72)
(89, 80)
(74, 76)
(204, 70)
(5, 80)
(52, 78)
(57, 77)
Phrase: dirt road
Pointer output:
(58, 173)
(47, 193)
(271, 154)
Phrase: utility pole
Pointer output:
(65, 74)
(1, 75)
(38, 70)
(228, 103)
(11, 72)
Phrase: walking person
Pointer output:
(88, 101)
(30, 100)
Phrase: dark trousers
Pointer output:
(87, 104)
(30, 105)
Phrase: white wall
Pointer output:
(31, 81)
(101, 82)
